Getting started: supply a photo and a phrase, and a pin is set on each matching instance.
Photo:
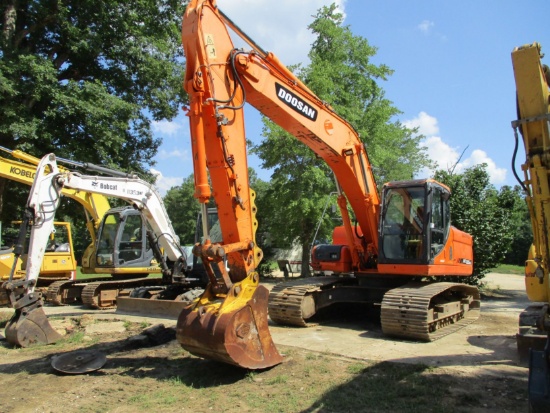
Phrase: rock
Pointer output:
(159, 334)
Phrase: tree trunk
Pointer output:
(305, 272)
(2, 187)
(8, 23)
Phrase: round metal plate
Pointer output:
(79, 362)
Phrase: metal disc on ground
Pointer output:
(79, 362)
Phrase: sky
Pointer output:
(452, 78)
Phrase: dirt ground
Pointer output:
(480, 360)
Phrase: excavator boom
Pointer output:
(29, 324)
(229, 322)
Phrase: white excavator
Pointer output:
(58, 270)
(29, 323)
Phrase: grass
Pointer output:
(509, 269)
(4, 318)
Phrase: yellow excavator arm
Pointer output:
(533, 102)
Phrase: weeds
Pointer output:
(75, 338)
(356, 368)
(282, 379)
(250, 376)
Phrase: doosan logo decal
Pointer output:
(294, 102)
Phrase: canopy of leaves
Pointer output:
(183, 210)
(480, 210)
(342, 74)
(84, 80)
(88, 74)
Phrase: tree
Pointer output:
(341, 74)
(480, 210)
(520, 221)
(84, 79)
(183, 209)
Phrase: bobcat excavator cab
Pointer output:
(29, 323)
(532, 79)
(229, 322)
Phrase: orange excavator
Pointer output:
(405, 234)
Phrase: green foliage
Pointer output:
(183, 210)
(87, 74)
(521, 224)
(480, 210)
(342, 74)
(297, 188)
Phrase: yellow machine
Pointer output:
(533, 104)
(59, 262)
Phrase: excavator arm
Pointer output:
(533, 101)
(220, 79)
(29, 324)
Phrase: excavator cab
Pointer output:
(122, 241)
(415, 235)
(415, 230)
(415, 222)
(59, 262)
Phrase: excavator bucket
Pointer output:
(233, 332)
(29, 325)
